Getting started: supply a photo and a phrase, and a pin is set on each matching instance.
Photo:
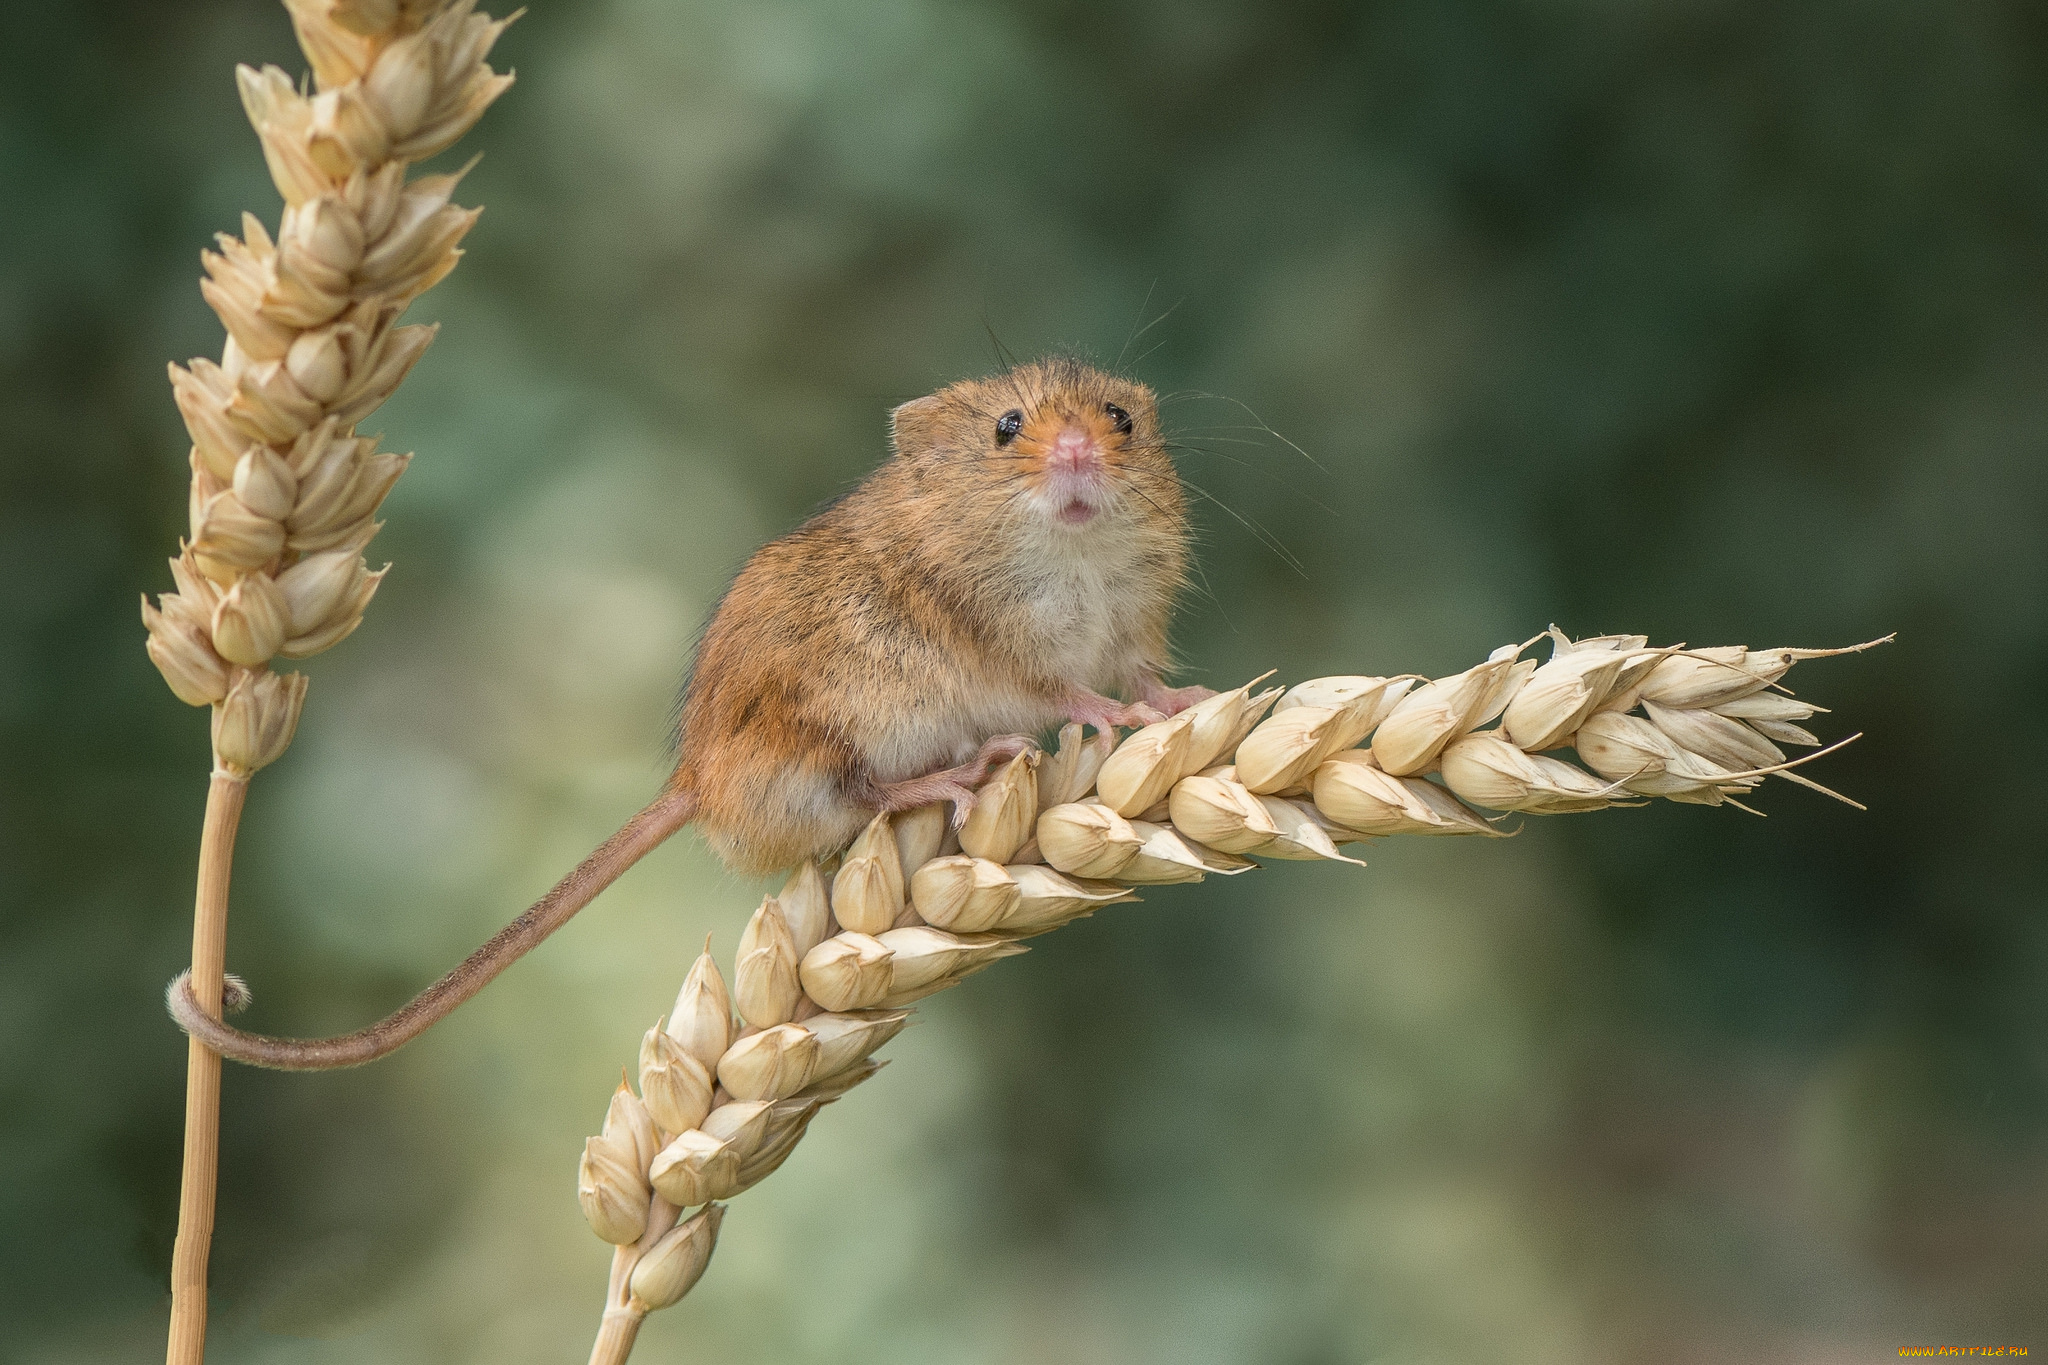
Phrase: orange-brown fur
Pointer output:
(927, 610)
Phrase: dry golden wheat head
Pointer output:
(822, 979)
(284, 493)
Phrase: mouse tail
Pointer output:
(668, 813)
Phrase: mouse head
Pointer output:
(1061, 441)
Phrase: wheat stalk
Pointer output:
(822, 978)
(284, 493)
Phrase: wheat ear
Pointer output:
(822, 978)
(284, 493)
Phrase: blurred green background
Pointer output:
(1721, 320)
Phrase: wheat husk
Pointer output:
(1487, 770)
(1005, 809)
(1311, 722)
(1354, 793)
(963, 893)
(675, 1086)
(770, 1065)
(1087, 839)
(1138, 775)
(868, 889)
(1222, 814)
(1424, 721)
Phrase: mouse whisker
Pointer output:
(1261, 424)
(1140, 333)
(1209, 434)
(1003, 356)
(1137, 332)
(1147, 353)
(1265, 537)
(1259, 470)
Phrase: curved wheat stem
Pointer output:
(284, 493)
(824, 973)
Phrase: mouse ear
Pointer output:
(914, 425)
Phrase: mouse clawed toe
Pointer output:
(1171, 701)
(953, 784)
(996, 752)
(1106, 713)
(947, 784)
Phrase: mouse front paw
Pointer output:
(1171, 701)
(1107, 713)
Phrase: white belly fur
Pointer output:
(1068, 620)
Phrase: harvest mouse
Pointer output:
(1016, 557)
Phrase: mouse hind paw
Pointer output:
(996, 752)
(955, 784)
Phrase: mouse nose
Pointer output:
(1074, 451)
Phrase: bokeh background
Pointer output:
(1721, 320)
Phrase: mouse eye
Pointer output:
(1008, 425)
(1118, 416)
